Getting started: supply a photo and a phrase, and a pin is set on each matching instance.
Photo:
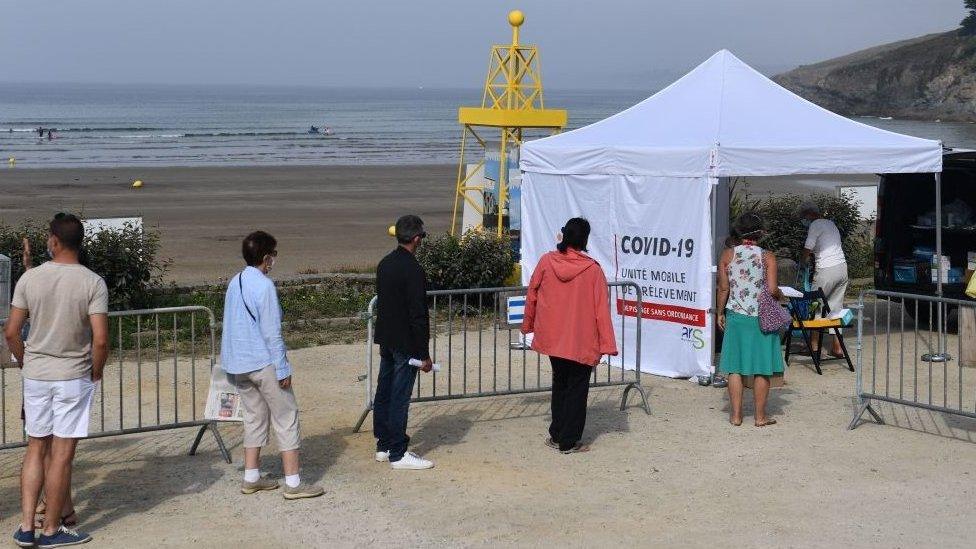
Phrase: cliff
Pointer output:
(930, 77)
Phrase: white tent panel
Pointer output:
(652, 231)
(725, 119)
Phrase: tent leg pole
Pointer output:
(716, 252)
(941, 355)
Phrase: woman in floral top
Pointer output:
(746, 350)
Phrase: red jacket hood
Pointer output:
(569, 265)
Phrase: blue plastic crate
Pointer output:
(906, 273)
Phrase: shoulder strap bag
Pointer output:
(773, 317)
(240, 284)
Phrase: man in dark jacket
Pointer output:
(403, 333)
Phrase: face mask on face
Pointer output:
(271, 262)
(806, 222)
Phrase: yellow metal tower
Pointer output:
(512, 102)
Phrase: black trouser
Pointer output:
(391, 403)
(570, 387)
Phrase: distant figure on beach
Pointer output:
(40, 132)
(313, 129)
(746, 350)
(62, 362)
(253, 352)
(566, 311)
(403, 333)
(50, 134)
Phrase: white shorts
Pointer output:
(59, 408)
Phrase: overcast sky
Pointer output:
(435, 43)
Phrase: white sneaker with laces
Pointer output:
(411, 461)
(382, 456)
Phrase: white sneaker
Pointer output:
(382, 456)
(412, 461)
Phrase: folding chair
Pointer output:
(799, 310)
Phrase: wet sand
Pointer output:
(325, 218)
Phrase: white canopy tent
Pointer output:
(665, 157)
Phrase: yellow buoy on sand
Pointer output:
(137, 184)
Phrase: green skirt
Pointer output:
(748, 351)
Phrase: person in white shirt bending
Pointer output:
(824, 245)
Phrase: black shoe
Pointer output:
(719, 381)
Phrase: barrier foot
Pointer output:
(362, 419)
(641, 392)
(212, 426)
(865, 406)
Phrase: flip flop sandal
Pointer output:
(551, 443)
(766, 423)
(576, 449)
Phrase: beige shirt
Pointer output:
(59, 297)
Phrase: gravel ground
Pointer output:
(679, 477)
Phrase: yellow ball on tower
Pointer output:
(516, 18)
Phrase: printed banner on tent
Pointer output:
(652, 231)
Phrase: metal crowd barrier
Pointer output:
(481, 354)
(156, 378)
(915, 351)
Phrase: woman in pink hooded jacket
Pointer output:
(567, 309)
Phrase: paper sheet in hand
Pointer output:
(789, 291)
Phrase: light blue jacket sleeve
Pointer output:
(269, 322)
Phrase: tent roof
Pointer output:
(725, 119)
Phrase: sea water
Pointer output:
(106, 125)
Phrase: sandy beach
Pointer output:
(325, 218)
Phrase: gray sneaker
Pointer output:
(263, 483)
(303, 490)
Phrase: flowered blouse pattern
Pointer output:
(745, 280)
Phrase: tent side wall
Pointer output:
(653, 231)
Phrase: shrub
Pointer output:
(785, 234)
(126, 258)
(478, 259)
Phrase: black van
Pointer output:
(905, 231)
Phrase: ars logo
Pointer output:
(693, 336)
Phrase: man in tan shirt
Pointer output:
(62, 362)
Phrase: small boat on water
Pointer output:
(324, 130)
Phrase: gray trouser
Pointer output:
(833, 281)
(265, 404)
